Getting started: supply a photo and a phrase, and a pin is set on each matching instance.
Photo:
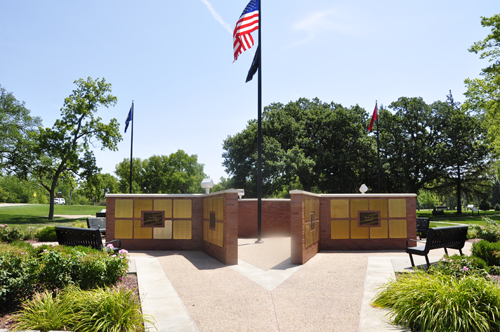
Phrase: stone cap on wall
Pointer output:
(228, 191)
(351, 195)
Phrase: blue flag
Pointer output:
(129, 117)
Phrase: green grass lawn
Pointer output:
(450, 218)
(35, 216)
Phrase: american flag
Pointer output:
(248, 22)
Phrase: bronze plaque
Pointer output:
(313, 224)
(369, 219)
(153, 219)
(212, 220)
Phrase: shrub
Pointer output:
(18, 269)
(497, 207)
(46, 234)
(461, 266)
(495, 270)
(489, 232)
(484, 205)
(74, 309)
(487, 251)
(10, 234)
(438, 302)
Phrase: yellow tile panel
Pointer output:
(182, 208)
(397, 208)
(316, 232)
(359, 232)
(163, 233)
(358, 205)
(379, 232)
(182, 228)
(339, 208)
(215, 234)
(379, 205)
(220, 208)
(164, 205)
(124, 229)
(142, 205)
(340, 229)
(307, 234)
(142, 232)
(397, 228)
(124, 208)
(220, 234)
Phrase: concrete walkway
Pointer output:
(190, 291)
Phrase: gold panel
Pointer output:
(163, 233)
(215, 234)
(379, 205)
(358, 205)
(124, 229)
(182, 209)
(379, 232)
(397, 228)
(142, 232)
(316, 232)
(164, 205)
(182, 228)
(220, 208)
(206, 226)
(142, 205)
(397, 208)
(210, 234)
(340, 229)
(220, 235)
(339, 208)
(359, 232)
(307, 234)
(124, 208)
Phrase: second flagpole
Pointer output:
(259, 133)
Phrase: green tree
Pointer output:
(17, 127)
(307, 144)
(98, 185)
(483, 94)
(463, 151)
(64, 149)
(178, 173)
(427, 199)
(408, 139)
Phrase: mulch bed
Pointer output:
(128, 282)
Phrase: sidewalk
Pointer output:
(190, 291)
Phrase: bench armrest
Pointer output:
(412, 240)
(119, 243)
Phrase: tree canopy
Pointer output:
(17, 128)
(178, 173)
(65, 149)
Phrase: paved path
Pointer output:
(190, 291)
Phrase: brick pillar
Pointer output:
(297, 228)
(231, 228)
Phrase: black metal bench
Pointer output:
(97, 223)
(452, 237)
(423, 226)
(87, 237)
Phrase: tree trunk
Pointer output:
(459, 192)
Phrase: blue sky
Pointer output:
(174, 58)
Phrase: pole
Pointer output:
(259, 134)
(131, 147)
(378, 152)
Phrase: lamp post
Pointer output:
(207, 184)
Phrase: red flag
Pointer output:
(374, 117)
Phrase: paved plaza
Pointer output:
(191, 291)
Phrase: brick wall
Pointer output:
(275, 217)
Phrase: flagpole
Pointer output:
(131, 146)
(259, 133)
(378, 152)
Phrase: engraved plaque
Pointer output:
(212, 220)
(152, 219)
(369, 219)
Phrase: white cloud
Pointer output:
(217, 16)
(321, 21)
